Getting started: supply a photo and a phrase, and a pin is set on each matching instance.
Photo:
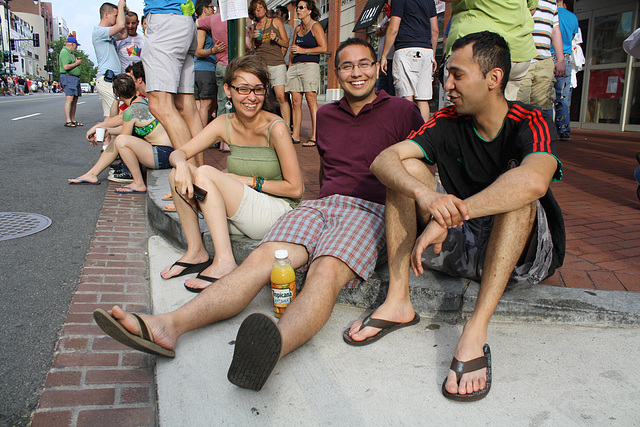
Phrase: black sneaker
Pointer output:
(124, 177)
(564, 136)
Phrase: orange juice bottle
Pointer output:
(283, 282)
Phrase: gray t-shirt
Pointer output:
(105, 48)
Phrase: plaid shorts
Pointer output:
(346, 228)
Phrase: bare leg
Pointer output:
(309, 312)
(296, 102)
(196, 252)
(224, 195)
(401, 230)
(423, 106)
(186, 106)
(285, 112)
(312, 101)
(74, 104)
(509, 236)
(134, 151)
(107, 157)
(204, 110)
(229, 297)
(67, 108)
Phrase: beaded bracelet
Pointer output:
(259, 182)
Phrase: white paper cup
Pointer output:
(100, 134)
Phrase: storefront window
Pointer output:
(609, 33)
(605, 96)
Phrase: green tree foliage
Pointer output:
(87, 69)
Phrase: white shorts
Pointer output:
(257, 213)
(105, 90)
(413, 73)
(168, 53)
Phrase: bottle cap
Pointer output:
(282, 254)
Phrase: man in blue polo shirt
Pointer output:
(104, 36)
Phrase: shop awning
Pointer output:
(369, 15)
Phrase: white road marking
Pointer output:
(81, 102)
(24, 117)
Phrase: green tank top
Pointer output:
(257, 161)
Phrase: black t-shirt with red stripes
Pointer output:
(467, 163)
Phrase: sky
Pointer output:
(82, 15)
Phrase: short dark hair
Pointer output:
(106, 8)
(284, 11)
(123, 86)
(137, 69)
(252, 8)
(251, 64)
(490, 51)
(311, 5)
(200, 5)
(132, 13)
(354, 41)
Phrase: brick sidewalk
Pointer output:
(94, 380)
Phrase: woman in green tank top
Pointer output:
(263, 181)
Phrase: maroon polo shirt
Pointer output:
(348, 143)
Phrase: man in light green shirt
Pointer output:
(70, 79)
(512, 19)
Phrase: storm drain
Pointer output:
(20, 224)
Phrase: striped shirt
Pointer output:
(545, 18)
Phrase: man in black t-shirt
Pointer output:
(491, 218)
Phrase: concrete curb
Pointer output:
(435, 295)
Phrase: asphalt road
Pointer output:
(39, 273)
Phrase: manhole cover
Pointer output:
(20, 224)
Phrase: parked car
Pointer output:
(85, 87)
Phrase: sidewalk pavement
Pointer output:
(565, 370)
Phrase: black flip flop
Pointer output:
(461, 368)
(257, 350)
(190, 268)
(201, 277)
(142, 342)
(310, 143)
(385, 327)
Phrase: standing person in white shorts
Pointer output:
(413, 31)
(168, 63)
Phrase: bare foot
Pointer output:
(469, 347)
(130, 188)
(156, 324)
(213, 271)
(173, 270)
(394, 312)
(86, 177)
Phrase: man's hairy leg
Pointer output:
(509, 237)
(401, 220)
(230, 295)
(186, 106)
(311, 309)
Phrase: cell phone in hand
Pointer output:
(198, 193)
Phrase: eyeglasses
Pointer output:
(246, 90)
(301, 7)
(348, 67)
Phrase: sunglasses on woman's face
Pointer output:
(302, 7)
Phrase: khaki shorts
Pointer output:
(518, 72)
(168, 53)
(277, 75)
(303, 77)
(413, 73)
(105, 90)
(257, 213)
(537, 87)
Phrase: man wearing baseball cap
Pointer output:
(70, 79)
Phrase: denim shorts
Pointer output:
(161, 156)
